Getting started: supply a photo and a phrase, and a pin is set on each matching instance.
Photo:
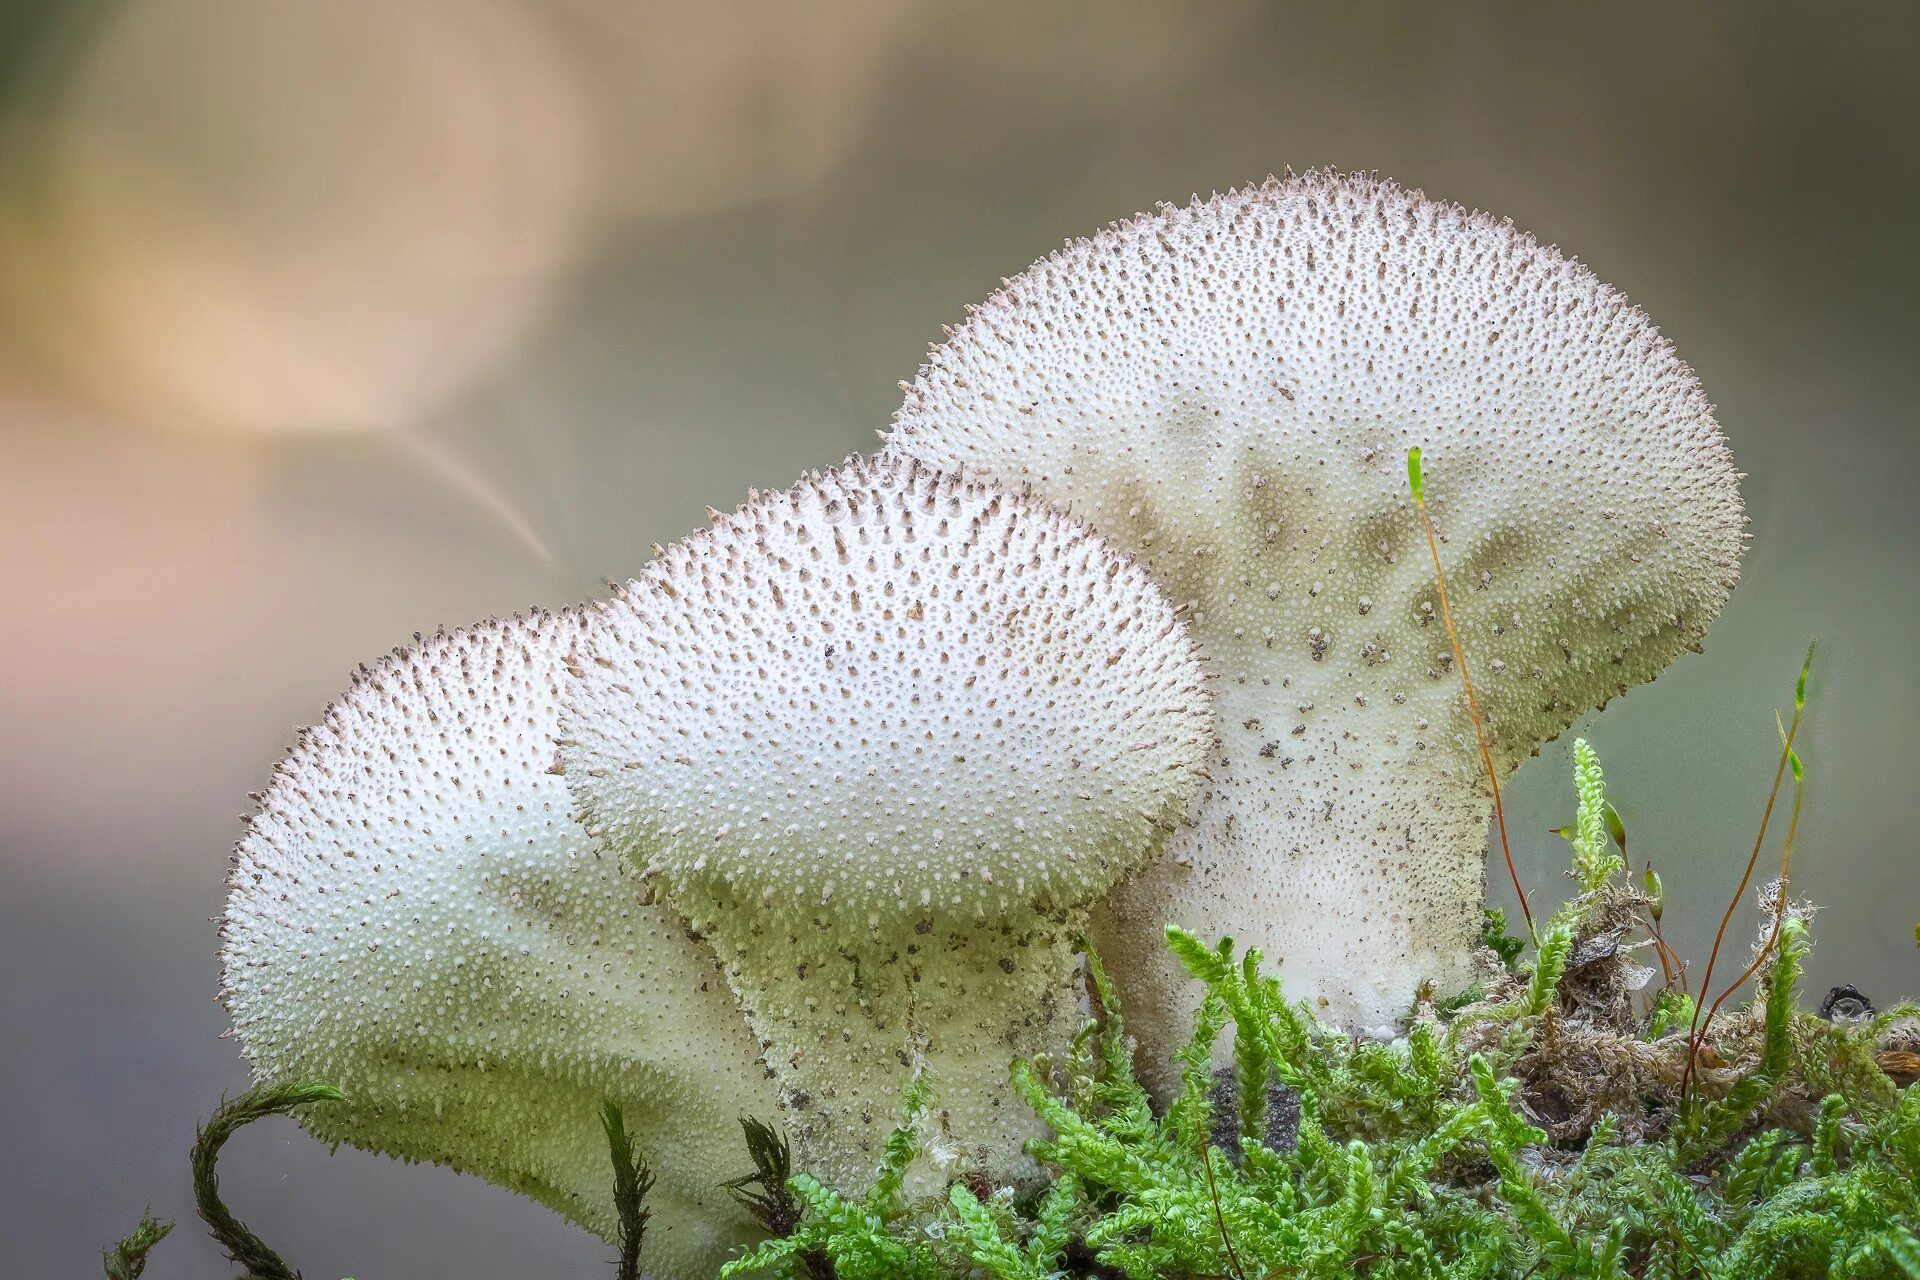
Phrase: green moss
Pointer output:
(1554, 1120)
(1534, 1127)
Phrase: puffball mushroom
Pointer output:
(415, 917)
(1229, 391)
(883, 737)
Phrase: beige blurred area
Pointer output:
(322, 323)
(296, 216)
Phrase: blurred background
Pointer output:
(327, 321)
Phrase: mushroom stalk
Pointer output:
(849, 1013)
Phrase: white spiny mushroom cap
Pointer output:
(888, 692)
(416, 918)
(882, 737)
(1229, 391)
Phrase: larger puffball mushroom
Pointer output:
(883, 737)
(416, 918)
(1229, 391)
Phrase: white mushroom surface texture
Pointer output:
(882, 737)
(416, 918)
(1229, 391)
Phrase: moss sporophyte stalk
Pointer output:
(1136, 720)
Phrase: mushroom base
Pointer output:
(1360, 880)
(847, 1018)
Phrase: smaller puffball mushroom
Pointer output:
(883, 737)
(1229, 391)
(415, 917)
